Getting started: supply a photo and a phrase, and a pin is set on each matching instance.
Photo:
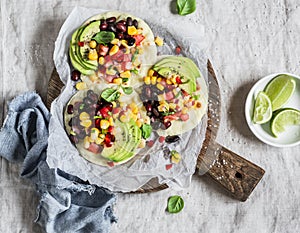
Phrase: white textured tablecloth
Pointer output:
(246, 41)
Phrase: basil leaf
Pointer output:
(175, 204)
(146, 130)
(185, 7)
(110, 94)
(127, 90)
(104, 37)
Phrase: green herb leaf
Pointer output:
(127, 90)
(104, 37)
(185, 7)
(124, 80)
(110, 94)
(146, 130)
(175, 204)
(135, 71)
(81, 106)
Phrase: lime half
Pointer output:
(284, 117)
(280, 89)
(262, 108)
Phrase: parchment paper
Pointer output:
(148, 163)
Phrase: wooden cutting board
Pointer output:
(235, 174)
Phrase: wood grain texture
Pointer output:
(234, 173)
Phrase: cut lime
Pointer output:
(284, 117)
(262, 108)
(280, 89)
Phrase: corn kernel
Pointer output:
(175, 157)
(142, 143)
(117, 81)
(172, 105)
(115, 41)
(86, 142)
(101, 60)
(99, 141)
(125, 44)
(102, 136)
(139, 123)
(113, 50)
(125, 74)
(124, 118)
(163, 107)
(134, 108)
(86, 123)
(93, 55)
(169, 81)
(184, 110)
(159, 80)
(147, 80)
(131, 30)
(104, 124)
(81, 86)
(173, 80)
(94, 133)
(153, 80)
(159, 41)
(93, 77)
(114, 104)
(160, 87)
(93, 44)
(84, 116)
(111, 121)
(150, 72)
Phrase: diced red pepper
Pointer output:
(138, 39)
(169, 166)
(104, 112)
(178, 50)
(111, 164)
(161, 139)
(178, 80)
(80, 43)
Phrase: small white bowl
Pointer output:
(291, 137)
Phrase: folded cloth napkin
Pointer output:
(67, 204)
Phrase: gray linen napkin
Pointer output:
(67, 204)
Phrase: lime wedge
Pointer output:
(282, 118)
(280, 90)
(262, 108)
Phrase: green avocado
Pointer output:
(182, 66)
(126, 142)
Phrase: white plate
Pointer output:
(291, 136)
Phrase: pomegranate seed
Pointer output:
(110, 129)
(104, 112)
(178, 50)
(178, 80)
(161, 139)
(111, 164)
(75, 76)
(150, 143)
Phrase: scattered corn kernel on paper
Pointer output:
(156, 159)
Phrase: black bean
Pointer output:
(135, 23)
(122, 22)
(148, 107)
(70, 109)
(70, 122)
(112, 28)
(129, 21)
(155, 112)
(172, 139)
(130, 41)
(119, 35)
(75, 76)
(103, 26)
(167, 124)
(121, 27)
(111, 20)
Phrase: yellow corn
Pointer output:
(159, 41)
(99, 141)
(160, 87)
(101, 60)
(150, 72)
(86, 123)
(173, 80)
(124, 43)
(153, 80)
(86, 142)
(111, 121)
(139, 123)
(104, 124)
(131, 30)
(114, 104)
(113, 50)
(169, 81)
(102, 136)
(94, 133)
(115, 41)
(147, 80)
(117, 81)
(172, 105)
(142, 143)
(163, 107)
(84, 116)
(125, 74)
(93, 55)
(159, 79)
(134, 108)
(81, 86)
(93, 44)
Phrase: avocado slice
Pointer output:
(125, 144)
(182, 66)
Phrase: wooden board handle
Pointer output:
(235, 174)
